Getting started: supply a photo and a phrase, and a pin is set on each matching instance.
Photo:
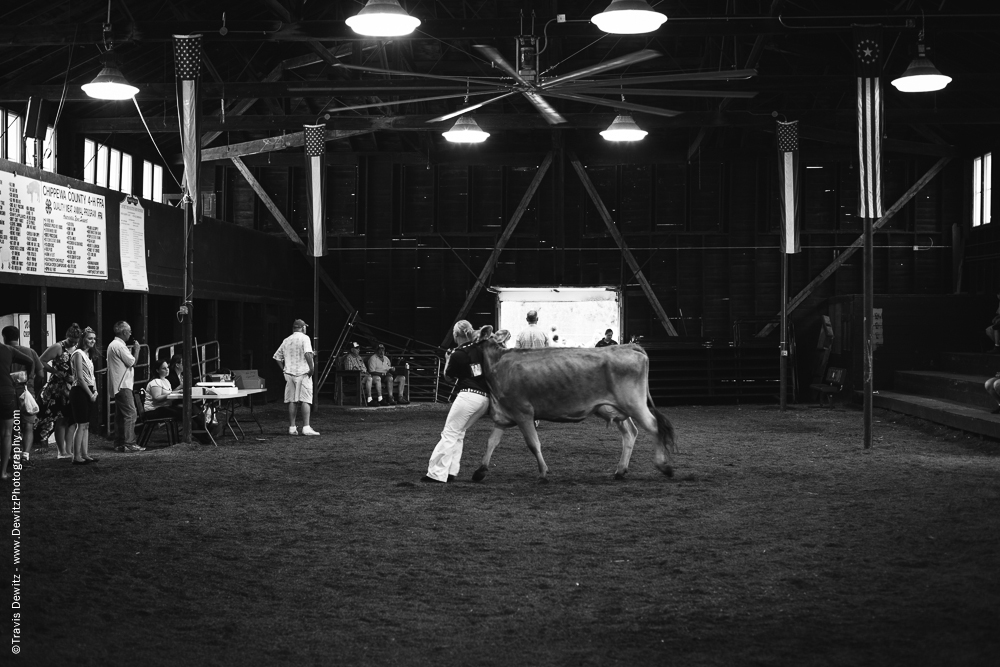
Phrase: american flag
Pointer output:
(187, 62)
(868, 59)
(315, 145)
(788, 183)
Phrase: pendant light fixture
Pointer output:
(383, 18)
(110, 83)
(466, 131)
(921, 76)
(623, 128)
(629, 17)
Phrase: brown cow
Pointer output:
(569, 385)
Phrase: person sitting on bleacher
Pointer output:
(352, 361)
(381, 370)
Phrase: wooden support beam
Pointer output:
(326, 279)
(844, 256)
(491, 263)
(264, 197)
(595, 196)
(269, 144)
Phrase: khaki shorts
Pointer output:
(298, 389)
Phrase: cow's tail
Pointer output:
(664, 429)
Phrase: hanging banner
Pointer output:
(868, 40)
(53, 230)
(132, 242)
(788, 184)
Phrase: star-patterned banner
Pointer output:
(315, 149)
(868, 59)
(187, 62)
(788, 183)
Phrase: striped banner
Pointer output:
(788, 184)
(315, 150)
(868, 58)
(187, 62)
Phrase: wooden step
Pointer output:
(971, 363)
(949, 413)
(960, 388)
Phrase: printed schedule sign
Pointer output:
(132, 240)
(54, 230)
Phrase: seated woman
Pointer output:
(158, 404)
(176, 372)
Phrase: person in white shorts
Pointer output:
(295, 356)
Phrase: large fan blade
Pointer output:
(614, 63)
(666, 78)
(501, 62)
(408, 100)
(551, 116)
(453, 79)
(659, 92)
(656, 111)
(455, 114)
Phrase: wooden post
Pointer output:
(783, 360)
(868, 319)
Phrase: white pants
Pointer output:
(447, 455)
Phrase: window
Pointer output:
(106, 167)
(152, 180)
(982, 187)
(10, 132)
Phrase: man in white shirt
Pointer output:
(295, 356)
(381, 369)
(121, 359)
(532, 336)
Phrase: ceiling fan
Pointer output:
(581, 85)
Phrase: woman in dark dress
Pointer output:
(54, 401)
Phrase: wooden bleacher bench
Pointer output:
(832, 384)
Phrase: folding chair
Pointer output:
(150, 425)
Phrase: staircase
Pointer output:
(952, 395)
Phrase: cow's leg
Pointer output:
(491, 444)
(656, 424)
(534, 446)
(629, 433)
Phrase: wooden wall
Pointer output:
(407, 236)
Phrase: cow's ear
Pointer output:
(485, 333)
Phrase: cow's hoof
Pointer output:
(621, 475)
(480, 474)
(543, 480)
(668, 471)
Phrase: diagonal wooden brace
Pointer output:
(491, 263)
(595, 196)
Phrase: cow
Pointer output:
(569, 385)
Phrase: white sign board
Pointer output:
(877, 338)
(51, 230)
(132, 241)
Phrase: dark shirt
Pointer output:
(466, 366)
(604, 342)
(174, 380)
(9, 355)
(32, 371)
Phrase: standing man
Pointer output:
(532, 336)
(381, 370)
(295, 356)
(121, 359)
(607, 340)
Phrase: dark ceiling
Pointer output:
(280, 65)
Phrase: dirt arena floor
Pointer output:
(779, 541)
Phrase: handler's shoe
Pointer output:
(308, 430)
(293, 431)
